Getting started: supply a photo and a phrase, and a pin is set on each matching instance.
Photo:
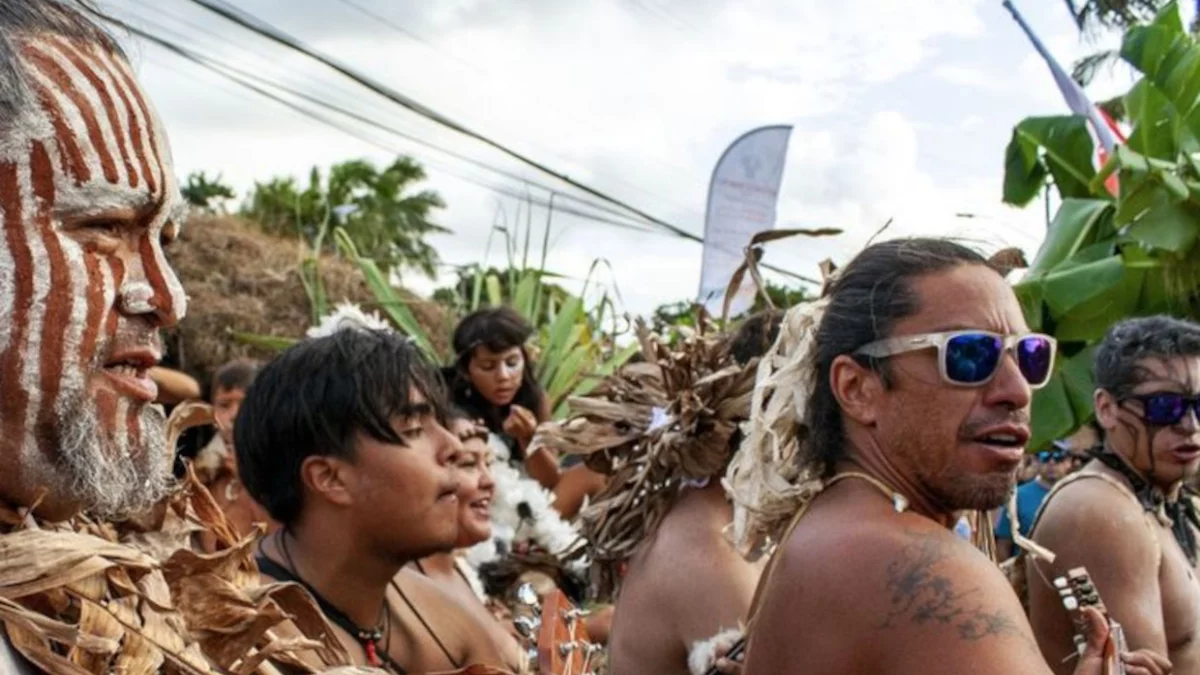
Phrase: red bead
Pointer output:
(372, 655)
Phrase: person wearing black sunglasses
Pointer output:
(1134, 523)
(1051, 465)
(909, 407)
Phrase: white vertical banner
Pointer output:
(741, 203)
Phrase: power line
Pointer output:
(409, 34)
(375, 16)
(249, 22)
(255, 25)
(370, 141)
(239, 76)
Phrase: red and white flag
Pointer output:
(1104, 129)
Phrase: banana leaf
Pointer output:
(1058, 146)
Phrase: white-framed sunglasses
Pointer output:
(972, 357)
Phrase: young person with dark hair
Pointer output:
(216, 463)
(448, 569)
(922, 371)
(493, 380)
(1128, 515)
(341, 439)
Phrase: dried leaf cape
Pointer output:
(85, 597)
(653, 427)
(766, 479)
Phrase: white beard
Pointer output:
(101, 469)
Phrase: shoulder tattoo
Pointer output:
(917, 593)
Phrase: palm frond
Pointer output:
(1086, 69)
(1094, 17)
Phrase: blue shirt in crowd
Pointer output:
(1029, 499)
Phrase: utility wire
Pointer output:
(376, 16)
(259, 27)
(324, 86)
(391, 149)
(256, 82)
(269, 32)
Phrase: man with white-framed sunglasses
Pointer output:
(922, 375)
(1128, 515)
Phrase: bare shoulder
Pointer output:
(889, 584)
(689, 549)
(1094, 513)
(912, 572)
(425, 593)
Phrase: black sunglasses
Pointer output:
(1166, 408)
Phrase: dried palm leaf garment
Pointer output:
(652, 427)
(89, 597)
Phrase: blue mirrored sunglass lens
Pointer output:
(972, 358)
(1034, 355)
(1165, 408)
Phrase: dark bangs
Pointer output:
(498, 329)
(312, 399)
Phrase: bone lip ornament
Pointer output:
(88, 201)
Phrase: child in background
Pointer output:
(216, 464)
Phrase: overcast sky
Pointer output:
(901, 109)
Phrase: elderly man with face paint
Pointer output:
(914, 378)
(88, 201)
(1127, 515)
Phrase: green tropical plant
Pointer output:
(1094, 15)
(376, 209)
(1104, 257)
(206, 194)
(667, 319)
(575, 337)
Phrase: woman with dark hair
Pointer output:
(493, 380)
(448, 569)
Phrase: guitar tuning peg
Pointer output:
(565, 649)
(527, 626)
(1070, 603)
(1060, 583)
(526, 595)
(532, 655)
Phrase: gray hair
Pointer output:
(74, 19)
(1118, 360)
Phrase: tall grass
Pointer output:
(575, 340)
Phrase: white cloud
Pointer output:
(640, 104)
(965, 76)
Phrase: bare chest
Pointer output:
(1180, 596)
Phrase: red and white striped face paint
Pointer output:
(88, 199)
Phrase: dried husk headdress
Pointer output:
(651, 427)
(765, 480)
